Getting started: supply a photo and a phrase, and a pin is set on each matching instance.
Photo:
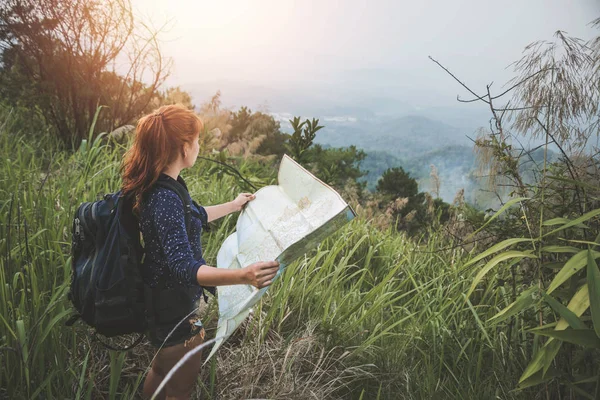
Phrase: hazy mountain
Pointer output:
(454, 164)
(402, 137)
(392, 132)
(321, 99)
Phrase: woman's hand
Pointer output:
(241, 200)
(260, 274)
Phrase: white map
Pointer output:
(282, 223)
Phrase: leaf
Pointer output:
(479, 322)
(574, 265)
(522, 302)
(539, 378)
(564, 312)
(544, 356)
(550, 354)
(582, 337)
(591, 379)
(82, 374)
(580, 241)
(581, 394)
(574, 182)
(558, 221)
(50, 325)
(559, 249)
(593, 281)
(578, 304)
(8, 327)
(555, 221)
(94, 121)
(497, 213)
(583, 218)
(498, 259)
(497, 247)
(553, 265)
(45, 383)
(542, 327)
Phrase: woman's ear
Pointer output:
(185, 150)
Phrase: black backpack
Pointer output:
(107, 289)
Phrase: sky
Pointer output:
(351, 48)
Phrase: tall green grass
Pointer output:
(369, 314)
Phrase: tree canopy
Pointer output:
(58, 57)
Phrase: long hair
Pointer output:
(159, 139)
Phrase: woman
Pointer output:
(166, 142)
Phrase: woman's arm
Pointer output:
(221, 210)
(259, 275)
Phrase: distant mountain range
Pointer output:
(454, 163)
(402, 137)
(391, 130)
(413, 142)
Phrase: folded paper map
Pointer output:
(282, 223)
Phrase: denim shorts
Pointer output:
(170, 325)
(159, 336)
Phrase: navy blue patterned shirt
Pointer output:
(172, 259)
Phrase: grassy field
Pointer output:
(370, 314)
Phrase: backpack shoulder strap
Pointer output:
(183, 195)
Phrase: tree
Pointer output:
(214, 116)
(239, 122)
(400, 197)
(336, 166)
(395, 182)
(254, 133)
(302, 138)
(172, 95)
(275, 140)
(59, 56)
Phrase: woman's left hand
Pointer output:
(241, 200)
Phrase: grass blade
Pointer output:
(565, 313)
(505, 207)
(593, 281)
(497, 247)
(544, 356)
(574, 265)
(582, 337)
(496, 260)
(575, 222)
(525, 300)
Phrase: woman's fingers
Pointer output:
(268, 267)
(242, 199)
(267, 279)
(268, 264)
(263, 281)
(267, 275)
(264, 271)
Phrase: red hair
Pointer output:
(159, 139)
